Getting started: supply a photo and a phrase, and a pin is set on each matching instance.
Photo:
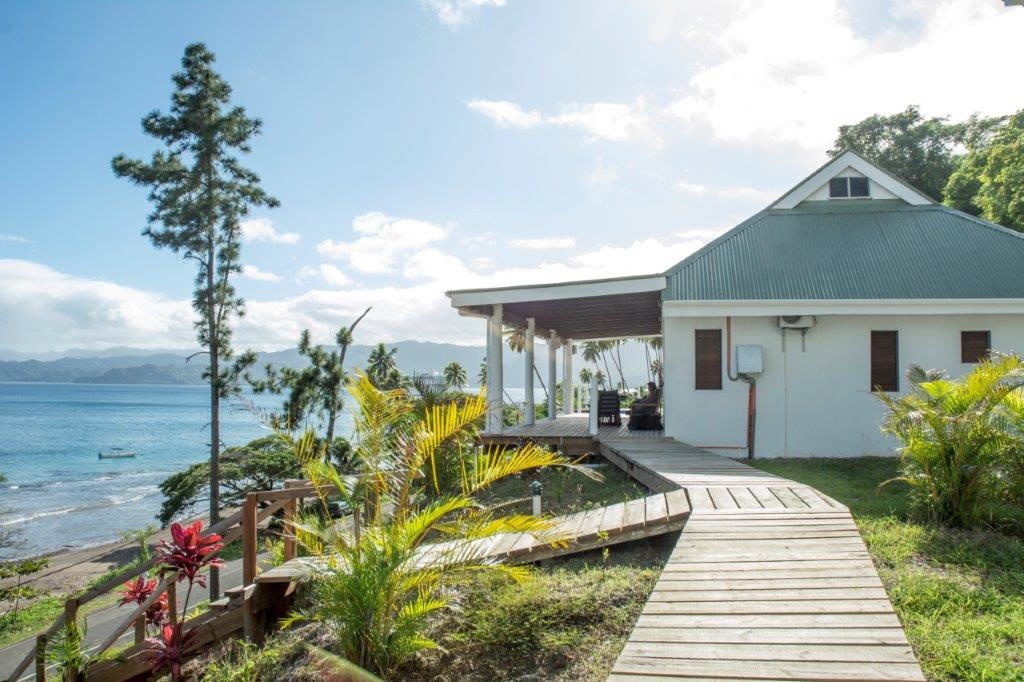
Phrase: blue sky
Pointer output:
(418, 146)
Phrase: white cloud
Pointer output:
(734, 193)
(507, 114)
(789, 73)
(543, 243)
(598, 120)
(454, 13)
(253, 272)
(42, 309)
(262, 230)
(330, 274)
(385, 238)
(17, 239)
(604, 175)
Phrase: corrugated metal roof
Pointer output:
(854, 250)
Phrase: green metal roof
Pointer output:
(854, 250)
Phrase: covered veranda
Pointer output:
(559, 315)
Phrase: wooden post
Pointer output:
(528, 336)
(249, 539)
(41, 658)
(290, 513)
(172, 602)
(71, 623)
(140, 629)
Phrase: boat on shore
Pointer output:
(117, 453)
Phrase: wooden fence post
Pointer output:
(249, 539)
(41, 658)
(140, 629)
(172, 602)
(72, 674)
(290, 514)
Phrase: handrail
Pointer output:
(240, 524)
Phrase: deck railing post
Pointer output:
(41, 658)
(249, 539)
(172, 602)
(71, 674)
(290, 514)
(594, 425)
(140, 629)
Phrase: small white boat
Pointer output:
(117, 453)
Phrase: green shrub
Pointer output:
(957, 439)
(246, 662)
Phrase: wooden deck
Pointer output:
(623, 522)
(769, 580)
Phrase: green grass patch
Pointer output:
(569, 622)
(959, 594)
(39, 615)
(565, 491)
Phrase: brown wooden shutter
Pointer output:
(974, 346)
(708, 353)
(885, 361)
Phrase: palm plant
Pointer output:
(382, 367)
(516, 339)
(374, 581)
(955, 438)
(455, 376)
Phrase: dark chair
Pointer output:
(608, 406)
(643, 414)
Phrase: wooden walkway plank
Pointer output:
(769, 580)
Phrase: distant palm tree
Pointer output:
(382, 368)
(599, 375)
(481, 376)
(586, 376)
(455, 375)
(516, 339)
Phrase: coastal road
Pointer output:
(101, 623)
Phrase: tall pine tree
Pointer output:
(200, 192)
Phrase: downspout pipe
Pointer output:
(751, 388)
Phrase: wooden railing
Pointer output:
(257, 508)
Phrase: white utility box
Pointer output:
(749, 360)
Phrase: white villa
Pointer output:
(776, 333)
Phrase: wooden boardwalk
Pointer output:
(769, 580)
(599, 527)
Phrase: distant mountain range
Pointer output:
(136, 366)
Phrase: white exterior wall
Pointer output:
(874, 189)
(814, 401)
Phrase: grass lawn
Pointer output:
(960, 595)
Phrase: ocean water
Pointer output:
(59, 494)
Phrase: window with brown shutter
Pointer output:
(974, 346)
(885, 361)
(708, 352)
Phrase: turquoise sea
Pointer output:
(59, 494)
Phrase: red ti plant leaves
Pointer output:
(168, 650)
(189, 552)
(137, 591)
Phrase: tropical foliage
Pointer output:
(261, 464)
(374, 585)
(382, 368)
(318, 388)
(961, 439)
(455, 376)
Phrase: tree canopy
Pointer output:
(992, 177)
(262, 464)
(924, 152)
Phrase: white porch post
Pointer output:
(552, 375)
(495, 387)
(528, 408)
(567, 392)
(594, 426)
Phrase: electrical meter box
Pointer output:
(748, 360)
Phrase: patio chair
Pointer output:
(608, 408)
(644, 414)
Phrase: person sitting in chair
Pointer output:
(652, 397)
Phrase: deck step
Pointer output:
(220, 605)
